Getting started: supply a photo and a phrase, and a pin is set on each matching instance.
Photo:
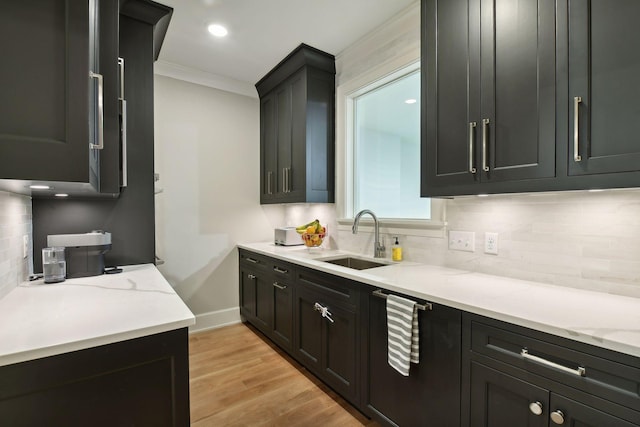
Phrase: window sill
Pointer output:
(406, 227)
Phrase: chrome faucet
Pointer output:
(378, 247)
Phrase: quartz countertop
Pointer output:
(601, 319)
(39, 320)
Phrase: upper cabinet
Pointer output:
(529, 95)
(297, 131)
(489, 90)
(59, 110)
(604, 65)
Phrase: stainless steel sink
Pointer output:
(355, 263)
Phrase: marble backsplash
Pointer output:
(15, 222)
(587, 240)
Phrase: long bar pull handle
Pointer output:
(485, 137)
(125, 158)
(280, 270)
(576, 129)
(284, 180)
(288, 180)
(279, 286)
(123, 126)
(269, 175)
(424, 307)
(251, 260)
(472, 126)
(100, 144)
(579, 371)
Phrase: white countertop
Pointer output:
(604, 320)
(39, 320)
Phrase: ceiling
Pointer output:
(263, 32)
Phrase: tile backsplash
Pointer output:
(15, 222)
(587, 240)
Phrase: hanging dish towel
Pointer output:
(402, 329)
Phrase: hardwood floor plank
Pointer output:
(237, 378)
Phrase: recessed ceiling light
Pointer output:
(217, 30)
(39, 187)
(61, 195)
(411, 101)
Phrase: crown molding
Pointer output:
(191, 75)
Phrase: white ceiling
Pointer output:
(263, 32)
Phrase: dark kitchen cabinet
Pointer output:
(327, 344)
(266, 296)
(59, 110)
(489, 76)
(430, 395)
(141, 381)
(297, 131)
(604, 62)
(517, 376)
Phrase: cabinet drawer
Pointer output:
(339, 290)
(282, 271)
(596, 372)
(254, 260)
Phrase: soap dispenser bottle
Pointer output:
(396, 251)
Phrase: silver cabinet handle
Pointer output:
(284, 180)
(125, 159)
(100, 144)
(324, 311)
(485, 137)
(579, 371)
(472, 126)
(280, 270)
(123, 126)
(279, 286)
(576, 129)
(289, 180)
(557, 417)
(535, 408)
(251, 276)
(269, 176)
(252, 260)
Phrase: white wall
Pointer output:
(15, 222)
(207, 152)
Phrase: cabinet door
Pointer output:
(430, 395)
(44, 108)
(309, 325)
(604, 64)
(283, 138)
(283, 314)
(500, 400)
(570, 413)
(264, 303)
(516, 126)
(248, 280)
(340, 344)
(268, 148)
(450, 93)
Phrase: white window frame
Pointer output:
(345, 97)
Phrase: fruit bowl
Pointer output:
(313, 239)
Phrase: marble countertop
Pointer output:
(39, 320)
(601, 319)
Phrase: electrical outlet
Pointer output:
(462, 241)
(491, 243)
(25, 246)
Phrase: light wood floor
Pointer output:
(239, 379)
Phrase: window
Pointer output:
(385, 144)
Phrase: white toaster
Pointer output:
(287, 236)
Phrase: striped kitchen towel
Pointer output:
(402, 328)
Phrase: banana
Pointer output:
(303, 228)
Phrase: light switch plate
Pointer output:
(462, 241)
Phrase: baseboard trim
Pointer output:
(216, 319)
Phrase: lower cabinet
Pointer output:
(430, 395)
(522, 377)
(138, 382)
(326, 325)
